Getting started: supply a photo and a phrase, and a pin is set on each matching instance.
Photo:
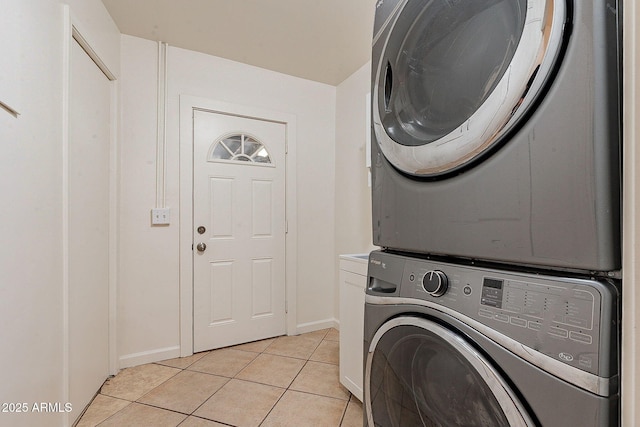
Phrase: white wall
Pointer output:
(352, 193)
(148, 303)
(31, 216)
(148, 321)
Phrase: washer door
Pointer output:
(421, 374)
(455, 76)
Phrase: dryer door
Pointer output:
(419, 373)
(455, 76)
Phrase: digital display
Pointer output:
(492, 283)
(491, 292)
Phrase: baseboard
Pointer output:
(353, 387)
(150, 356)
(156, 355)
(303, 328)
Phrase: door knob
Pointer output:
(201, 247)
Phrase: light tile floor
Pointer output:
(284, 381)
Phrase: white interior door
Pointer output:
(88, 172)
(239, 230)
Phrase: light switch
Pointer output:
(160, 216)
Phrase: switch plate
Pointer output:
(160, 216)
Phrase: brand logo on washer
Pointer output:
(377, 262)
(566, 357)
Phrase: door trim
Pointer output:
(187, 105)
(74, 31)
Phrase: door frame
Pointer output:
(75, 31)
(187, 105)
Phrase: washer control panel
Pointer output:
(435, 283)
(567, 319)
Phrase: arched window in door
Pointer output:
(239, 147)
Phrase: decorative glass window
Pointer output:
(239, 147)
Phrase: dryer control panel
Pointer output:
(571, 320)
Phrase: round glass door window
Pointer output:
(420, 374)
(454, 76)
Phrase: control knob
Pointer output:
(435, 283)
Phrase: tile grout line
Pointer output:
(228, 379)
(255, 382)
(205, 400)
(143, 395)
(312, 394)
(287, 389)
(344, 413)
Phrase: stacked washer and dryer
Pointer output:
(495, 299)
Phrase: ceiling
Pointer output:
(324, 40)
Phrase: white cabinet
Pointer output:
(353, 280)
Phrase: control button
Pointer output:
(519, 322)
(467, 290)
(502, 318)
(558, 332)
(412, 277)
(576, 336)
(435, 283)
